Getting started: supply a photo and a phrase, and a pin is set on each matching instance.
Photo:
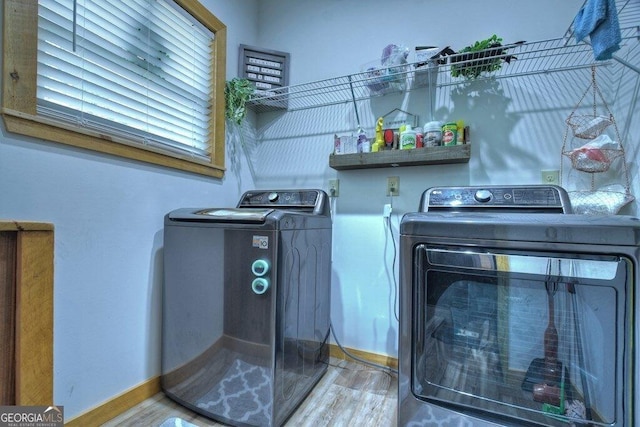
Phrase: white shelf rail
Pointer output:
(548, 56)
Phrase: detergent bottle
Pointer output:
(408, 138)
(378, 143)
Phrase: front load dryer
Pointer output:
(515, 312)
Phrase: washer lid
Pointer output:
(223, 215)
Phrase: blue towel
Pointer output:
(599, 20)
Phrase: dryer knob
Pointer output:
(260, 285)
(483, 196)
(273, 196)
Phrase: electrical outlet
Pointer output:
(393, 186)
(550, 177)
(334, 187)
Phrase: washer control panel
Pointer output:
(279, 198)
(534, 197)
(312, 201)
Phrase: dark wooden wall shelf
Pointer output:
(396, 158)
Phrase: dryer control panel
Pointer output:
(534, 198)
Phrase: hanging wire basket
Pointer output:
(588, 126)
(598, 202)
(591, 159)
(595, 156)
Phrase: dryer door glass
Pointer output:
(541, 337)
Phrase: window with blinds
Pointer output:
(136, 70)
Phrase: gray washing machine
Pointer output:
(246, 303)
(515, 313)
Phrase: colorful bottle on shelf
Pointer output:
(388, 139)
(450, 134)
(378, 143)
(408, 138)
(364, 145)
(460, 132)
(419, 137)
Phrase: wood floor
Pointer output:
(349, 394)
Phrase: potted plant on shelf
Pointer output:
(483, 56)
(237, 93)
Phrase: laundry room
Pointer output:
(321, 138)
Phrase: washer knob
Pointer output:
(483, 196)
(273, 196)
(260, 285)
(260, 267)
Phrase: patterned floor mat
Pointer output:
(176, 422)
(243, 394)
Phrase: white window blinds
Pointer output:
(135, 69)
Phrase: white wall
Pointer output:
(108, 217)
(517, 128)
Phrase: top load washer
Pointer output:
(511, 317)
(246, 305)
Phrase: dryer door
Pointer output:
(529, 335)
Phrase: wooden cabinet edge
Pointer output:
(11, 225)
(31, 283)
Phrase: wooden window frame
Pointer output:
(19, 76)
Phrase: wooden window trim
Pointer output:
(19, 76)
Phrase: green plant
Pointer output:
(484, 55)
(237, 93)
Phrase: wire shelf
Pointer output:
(541, 57)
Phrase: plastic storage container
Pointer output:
(432, 134)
